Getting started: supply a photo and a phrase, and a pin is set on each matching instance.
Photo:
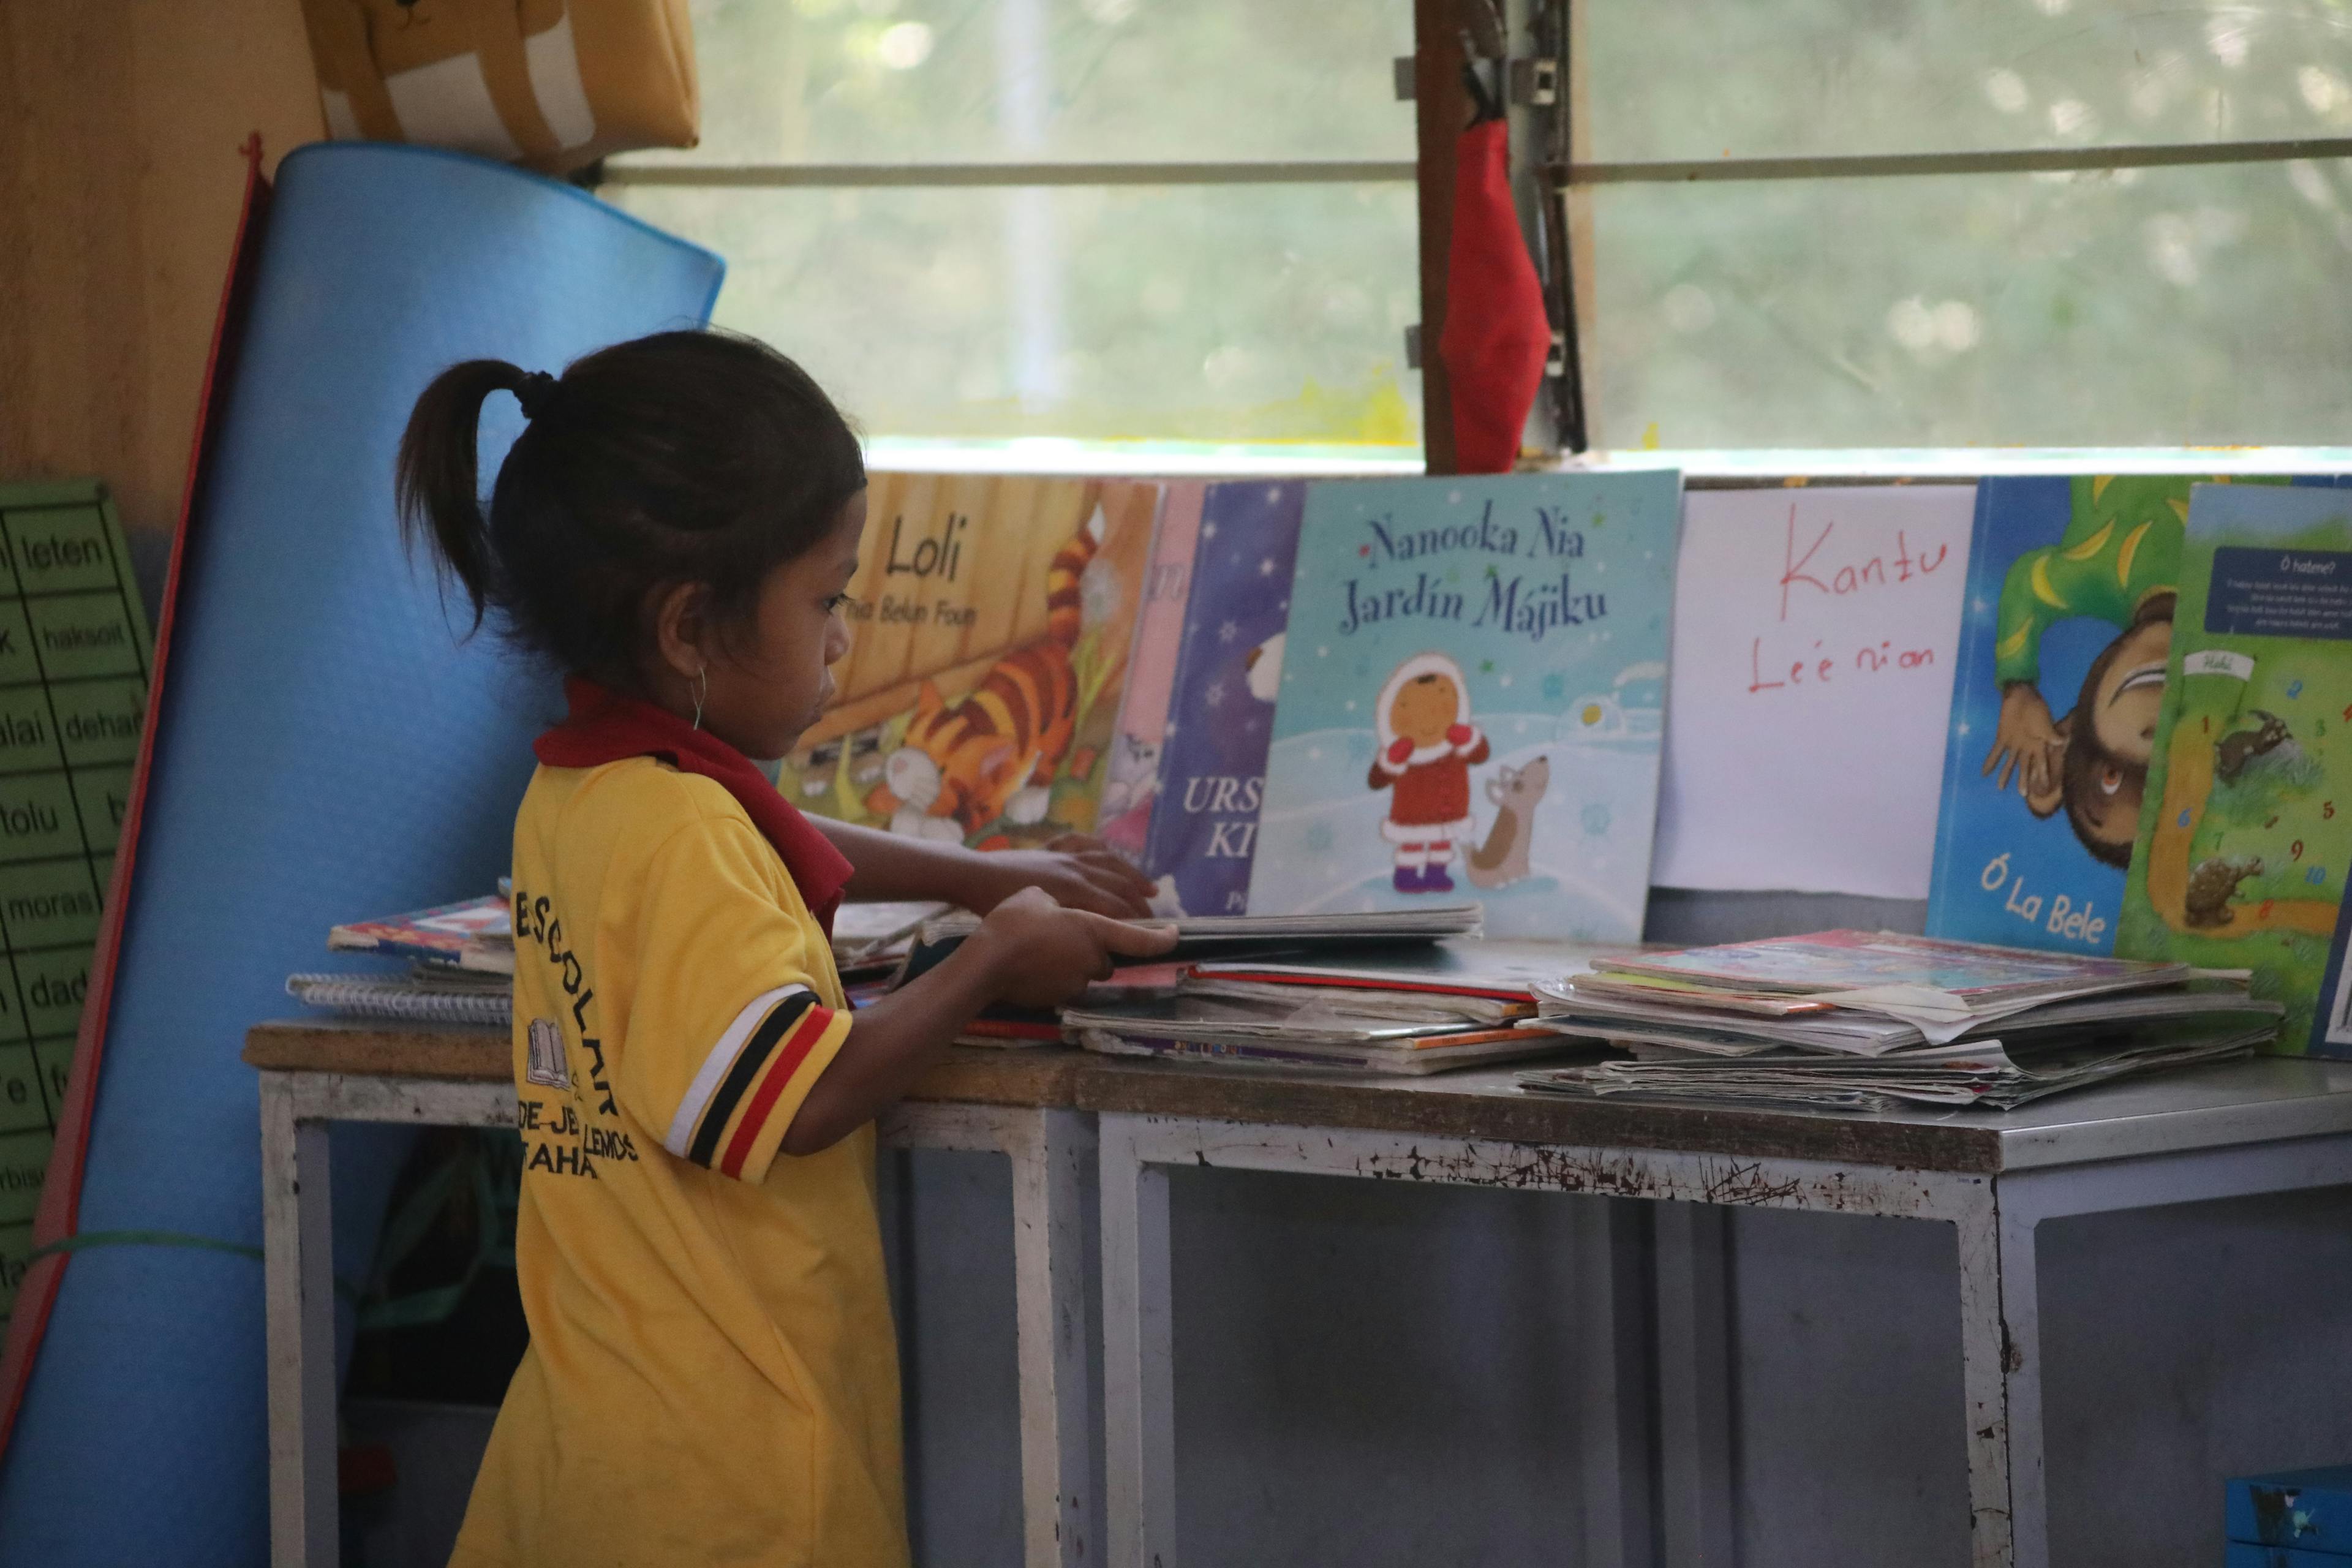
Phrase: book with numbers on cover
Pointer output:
(2246, 837)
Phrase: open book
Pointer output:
(1204, 935)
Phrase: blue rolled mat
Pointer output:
(325, 749)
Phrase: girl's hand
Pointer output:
(1077, 870)
(1041, 955)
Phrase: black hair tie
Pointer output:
(536, 391)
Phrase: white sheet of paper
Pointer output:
(1815, 633)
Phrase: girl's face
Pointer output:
(769, 681)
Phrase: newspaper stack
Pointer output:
(1870, 1021)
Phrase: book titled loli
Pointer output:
(992, 623)
(1473, 700)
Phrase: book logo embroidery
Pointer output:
(544, 1060)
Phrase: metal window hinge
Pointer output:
(1530, 81)
(1556, 361)
(1413, 346)
(1534, 81)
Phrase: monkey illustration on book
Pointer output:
(2117, 563)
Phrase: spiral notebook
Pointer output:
(404, 997)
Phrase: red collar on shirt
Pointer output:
(606, 727)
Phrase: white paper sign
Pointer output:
(1816, 634)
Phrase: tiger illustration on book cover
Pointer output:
(991, 635)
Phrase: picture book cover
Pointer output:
(2242, 849)
(2247, 835)
(440, 933)
(1472, 700)
(1221, 706)
(992, 622)
(1133, 782)
(2065, 636)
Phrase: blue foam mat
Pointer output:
(327, 749)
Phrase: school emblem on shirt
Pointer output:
(544, 1061)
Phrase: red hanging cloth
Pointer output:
(1497, 335)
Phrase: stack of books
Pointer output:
(459, 966)
(1345, 1003)
(1871, 1021)
(458, 960)
(1140, 991)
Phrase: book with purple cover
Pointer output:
(1221, 709)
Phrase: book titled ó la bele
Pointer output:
(2247, 835)
(991, 625)
(1221, 709)
(1473, 700)
(2065, 637)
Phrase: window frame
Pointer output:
(1553, 130)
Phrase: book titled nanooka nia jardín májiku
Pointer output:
(1473, 700)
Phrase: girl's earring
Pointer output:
(701, 690)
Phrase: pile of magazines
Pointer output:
(1871, 1021)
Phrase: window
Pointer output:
(1112, 220)
(2134, 298)
(1796, 223)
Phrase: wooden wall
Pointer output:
(120, 179)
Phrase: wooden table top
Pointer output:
(375, 1049)
(2259, 1101)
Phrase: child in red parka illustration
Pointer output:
(1428, 746)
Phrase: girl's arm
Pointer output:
(1030, 951)
(1078, 871)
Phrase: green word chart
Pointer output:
(74, 658)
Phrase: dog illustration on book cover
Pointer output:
(1502, 859)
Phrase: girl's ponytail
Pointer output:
(680, 458)
(436, 483)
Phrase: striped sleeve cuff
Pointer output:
(735, 1112)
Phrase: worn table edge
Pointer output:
(1473, 1106)
(1043, 1077)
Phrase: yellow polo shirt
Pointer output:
(712, 1376)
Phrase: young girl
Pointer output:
(712, 1376)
